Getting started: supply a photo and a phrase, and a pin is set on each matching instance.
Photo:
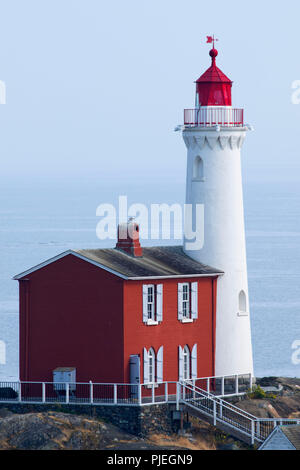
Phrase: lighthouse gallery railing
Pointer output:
(214, 116)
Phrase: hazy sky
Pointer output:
(95, 88)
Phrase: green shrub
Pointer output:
(259, 393)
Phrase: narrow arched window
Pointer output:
(186, 363)
(198, 169)
(151, 358)
(242, 301)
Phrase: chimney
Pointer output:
(128, 238)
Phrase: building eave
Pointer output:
(23, 275)
(20, 276)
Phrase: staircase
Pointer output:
(225, 416)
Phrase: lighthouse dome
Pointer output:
(213, 88)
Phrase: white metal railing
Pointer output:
(214, 115)
(246, 424)
(117, 393)
(205, 394)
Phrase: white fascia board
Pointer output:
(175, 276)
(62, 255)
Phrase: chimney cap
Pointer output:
(128, 238)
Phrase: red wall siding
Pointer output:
(71, 316)
(171, 332)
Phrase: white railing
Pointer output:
(222, 412)
(214, 116)
(205, 394)
(117, 393)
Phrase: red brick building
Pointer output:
(119, 315)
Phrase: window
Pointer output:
(186, 363)
(152, 304)
(242, 303)
(198, 169)
(187, 301)
(151, 357)
(153, 366)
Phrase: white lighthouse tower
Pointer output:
(214, 133)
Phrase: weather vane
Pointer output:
(211, 39)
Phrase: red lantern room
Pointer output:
(213, 88)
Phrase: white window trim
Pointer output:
(149, 303)
(157, 304)
(153, 366)
(155, 383)
(152, 322)
(186, 353)
(243, 314)
(188, 302)
(180, 316)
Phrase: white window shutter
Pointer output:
(194, 362)
(194, 290)
(146, 366)
(160, 361)
(180, 296)
(180, 362)
(145, 303)
(159, 302)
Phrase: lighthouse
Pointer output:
(214, 133)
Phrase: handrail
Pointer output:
(223, 402)
(256, 429)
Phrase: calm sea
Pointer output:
(39, 221)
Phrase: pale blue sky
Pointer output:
(96, 88)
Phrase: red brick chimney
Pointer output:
(128, 238)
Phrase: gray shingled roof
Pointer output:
(156, 261)
(292, 432)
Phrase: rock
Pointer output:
(230, 446)
(4, 412)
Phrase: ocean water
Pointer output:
(39, 221)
